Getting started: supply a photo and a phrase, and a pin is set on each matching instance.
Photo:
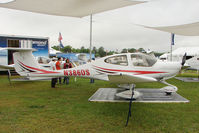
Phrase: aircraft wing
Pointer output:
(18, 49)
(73, 8)
(129, 79)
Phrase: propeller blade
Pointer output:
(184, 59)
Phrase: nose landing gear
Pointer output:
(168, 89)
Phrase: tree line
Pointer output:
(99, 52)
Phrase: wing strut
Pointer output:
(130, 104)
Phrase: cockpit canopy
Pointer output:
(137, 59)
(117, 60)
(143, 60)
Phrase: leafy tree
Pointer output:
(97, 55)
(67, 49)
(76, 50)
(132, 50)
(55, 47)
(98, 52)
(87, 50)
(110, 53)
(141, 50)
(101, 52)
(73, 50)
(82, 49)
(94, 51)
(124, 50)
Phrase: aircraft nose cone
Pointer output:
(176, 67)
(171, 69)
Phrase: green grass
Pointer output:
(35, 107)
(188, 73)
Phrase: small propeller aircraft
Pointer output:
(123, 69)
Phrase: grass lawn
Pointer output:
(35, 107)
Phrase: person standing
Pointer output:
(58, 67)
(53, 67)
(67, 65)
(62, 62)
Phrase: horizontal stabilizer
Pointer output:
(124, 78)
(39, 78)
(18, 49)
(11, 67)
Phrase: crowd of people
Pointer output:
(60, 63)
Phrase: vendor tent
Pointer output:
(73, 8)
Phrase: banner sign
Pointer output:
(41, 46)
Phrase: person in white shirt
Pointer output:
(53, 67)
(52, 64)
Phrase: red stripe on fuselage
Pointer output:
(44, 71)
(103, 71)
(131, 71)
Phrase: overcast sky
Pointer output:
(113, 29)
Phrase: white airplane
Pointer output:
(124, 69)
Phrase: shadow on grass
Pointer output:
(36, 106)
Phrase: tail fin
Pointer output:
(25, 63)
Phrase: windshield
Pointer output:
(143, 60)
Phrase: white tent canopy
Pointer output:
(186, 29)
(158, 13)
(174, 16)
(73, 8)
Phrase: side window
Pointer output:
(117, 60)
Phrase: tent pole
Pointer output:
(171, 48)
(90, 36)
